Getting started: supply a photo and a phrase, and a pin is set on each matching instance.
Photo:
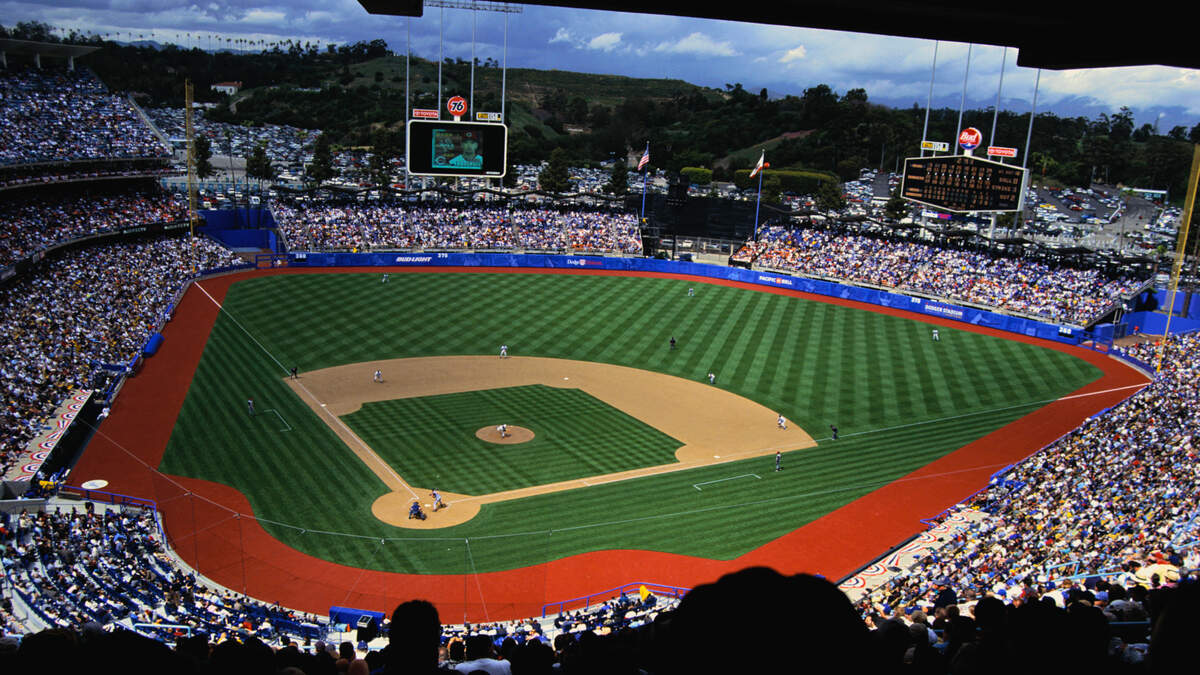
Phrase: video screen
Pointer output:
(457, 148)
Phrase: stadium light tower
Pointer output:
(478, 6)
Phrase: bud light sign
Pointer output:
(970, 138)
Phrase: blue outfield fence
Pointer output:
(1013, 324)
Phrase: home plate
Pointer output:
(566, 378)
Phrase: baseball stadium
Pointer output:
(631, 467)
(493, 399)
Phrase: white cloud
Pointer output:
(698, 44)
(605, 42)
(793, 54)
(563, 35)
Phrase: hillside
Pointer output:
(351, 90)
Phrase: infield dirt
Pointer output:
(714, 425)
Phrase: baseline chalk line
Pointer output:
(721, 480)
(272, 410)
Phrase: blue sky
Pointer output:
(784, 60)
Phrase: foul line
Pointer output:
(366, 448)
(985, 412)
(272, 410)
(721, 480)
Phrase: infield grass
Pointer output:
(431, 439)
(899, 400)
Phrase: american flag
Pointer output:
(645, 158)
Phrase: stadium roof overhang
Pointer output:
(51, 49)
(1056, 36)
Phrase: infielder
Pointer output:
(378, 376)
(712, 378)
(503, 351)
(782, 422)
(503, 429)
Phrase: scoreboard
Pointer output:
(963, 184)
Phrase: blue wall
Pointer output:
(1154, 323)
(1156, 300)
(969, 315)
(241, 228)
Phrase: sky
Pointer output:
(784, 60)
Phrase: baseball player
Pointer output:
(936, 337)
(778, 461)
(833, 428)
(782, 422)
(691, 292)
(503, 429)
(712, 378)
(503, 351)
(250, 405)
(437, 500)
(378, 376)
(672, 342)
(385, 279)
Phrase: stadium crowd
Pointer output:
(78, 312)
(321, 226)
(32, 223)
(78, 566)
(1025, 286)
(61, 115)
(1101, 518)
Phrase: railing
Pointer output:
(165, 626)
(657, 589)
(108, 497)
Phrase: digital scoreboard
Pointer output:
(470, 149)
(963, 184)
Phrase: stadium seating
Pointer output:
(79, 311)
(61, 115)
(322, 226)
(1024, 286)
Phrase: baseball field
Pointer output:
(620, 445)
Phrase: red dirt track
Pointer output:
(131, 442)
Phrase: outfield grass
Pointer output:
(874, 375)
(431, 440)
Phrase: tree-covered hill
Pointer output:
(350, 91)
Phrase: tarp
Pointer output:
(153, 344)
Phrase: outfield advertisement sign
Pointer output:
(947, 311)
(775, 281)
(1004, 322)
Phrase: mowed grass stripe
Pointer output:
(431, 439)
(830, 362)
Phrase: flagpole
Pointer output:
(757, 203)
(645, 177)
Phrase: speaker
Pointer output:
(677, 190)
(366, 628)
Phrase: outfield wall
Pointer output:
(1013, 324)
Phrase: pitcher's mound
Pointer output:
(513, 435)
